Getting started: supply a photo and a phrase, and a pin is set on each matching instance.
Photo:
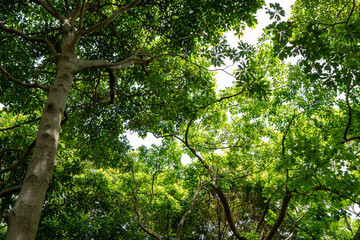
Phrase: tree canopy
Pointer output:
(275, 156)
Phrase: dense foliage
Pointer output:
(275, 156)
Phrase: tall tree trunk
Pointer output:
(24, 218)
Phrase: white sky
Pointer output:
(223, 79)
(250, 36)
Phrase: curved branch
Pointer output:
(264, 214)
(350, 119)
(109, 19)
(50, 9)
(20, 124)
(20, 161)
(281, 217)
(149, 204)
(228, 212)
(294, 226)
(32, 39)
(101, 63)
(17, 81)
(11, 190)
(285, 134)
(216, 188)
(182, 221)
(186, 142)
(136, 209)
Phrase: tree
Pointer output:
(274, 157)
(292, 128)
(115, 65)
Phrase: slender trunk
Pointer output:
(24, 218)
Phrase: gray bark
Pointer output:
(24, 218)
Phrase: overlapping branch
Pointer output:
(346, 139)
(285, 134)
(20, 161)
(217, 189)
(109, 19)
(145, 229)
(19, 82)
(20, 124)
(101, 63)
(182, 221)
(263, 215)
(281, 217)
(294, 226)
(31, 39)
(10, 190)
(50, 9)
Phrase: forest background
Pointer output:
(275, 155)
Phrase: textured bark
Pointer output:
(24, 218)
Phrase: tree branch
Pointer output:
(101, 63)
(350, 119)
(20, 161)
(67, 7)
(347, 220)
(285, 134)
(136, 208)
(151, 198)
(76, 12)
(281, 217)
(216, 188)
(228, 212)
(50, 9)
(19, 82)
(109, 19)
(20, 124)
(339, 194)
(11, 190)
(182, 221)
(81, 14)
(32, 39)
(294, 226)
(179, 40)
(112, 86)
(186, 142)
(264, 214)
(357, 235)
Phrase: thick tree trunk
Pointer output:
(24, 218)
